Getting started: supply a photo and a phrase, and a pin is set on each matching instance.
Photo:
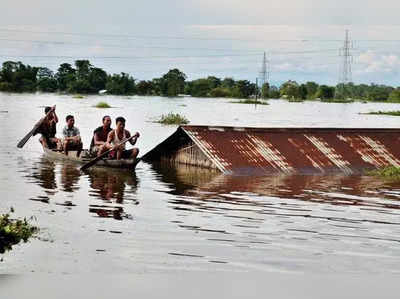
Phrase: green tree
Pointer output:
(97, 79)
(243, 89)
(46, 82)
(173, 83)
(65, 76)
(312, 88)
(325, 92)
(122, 84)
(395, 95)
(265, 90)
(290, 89)
(200, 88)
(144, 88)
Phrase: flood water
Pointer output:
(163, 219)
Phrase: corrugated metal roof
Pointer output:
(287, 150)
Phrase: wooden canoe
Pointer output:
(84, 157)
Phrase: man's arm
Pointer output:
(110, 137)
(134, 139)
(96, 139)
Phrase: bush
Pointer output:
(173, 119)
(102, 105)
(220, 92)
(14, 231)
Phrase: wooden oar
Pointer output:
(103, 155)
(36, 126)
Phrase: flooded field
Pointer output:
(163, 219)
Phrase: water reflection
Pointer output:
(111, 185)
(333, 189)
(43, 173)
(70, 175)
(114, 188)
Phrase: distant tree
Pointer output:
(325, 92)
(97, 79)
(18, 77)
(200, 88)
(144, 88)
(228, 83)
(290, 89)
(273, 92)
(172, 83)
(122, 84)
(395, 95)
(220, 92)
(303, 91)
(265, 90)
(311, 89)
(83, 68)
(65, 76)
(213, 82)
(243, 89)
(46, 82)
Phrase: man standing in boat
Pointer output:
(72, 138)
(100, 135)
(48, 129)
(118, 135)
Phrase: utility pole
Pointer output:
(345, 76)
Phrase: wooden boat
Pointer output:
(85, 157)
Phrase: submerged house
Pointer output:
(280, 150)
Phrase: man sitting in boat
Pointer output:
(72, 138)
(100, 136)
(48, 129)
(118, 135)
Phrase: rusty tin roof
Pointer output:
(287, 150)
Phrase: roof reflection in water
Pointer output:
(333, 189)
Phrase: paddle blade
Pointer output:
(26, 138)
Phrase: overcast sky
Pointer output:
(219, 37)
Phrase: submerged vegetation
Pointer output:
(173, 119)
(393, 113)
(14, 231)
(250, 101)
(102, 105)
(390, 173)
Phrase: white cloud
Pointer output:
(372, 62)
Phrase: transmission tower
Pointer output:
(264, 73)
(345, 76)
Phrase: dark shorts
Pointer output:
(126, 154)
(50, 141)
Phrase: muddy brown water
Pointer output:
(163, 219)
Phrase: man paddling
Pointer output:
(48, 129)
(100, 136)
(72, 136)
(118, 135)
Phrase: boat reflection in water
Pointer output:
(339, 189)
(114, 188)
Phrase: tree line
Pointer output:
(84, 78)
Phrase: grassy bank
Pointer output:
(13, 232)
